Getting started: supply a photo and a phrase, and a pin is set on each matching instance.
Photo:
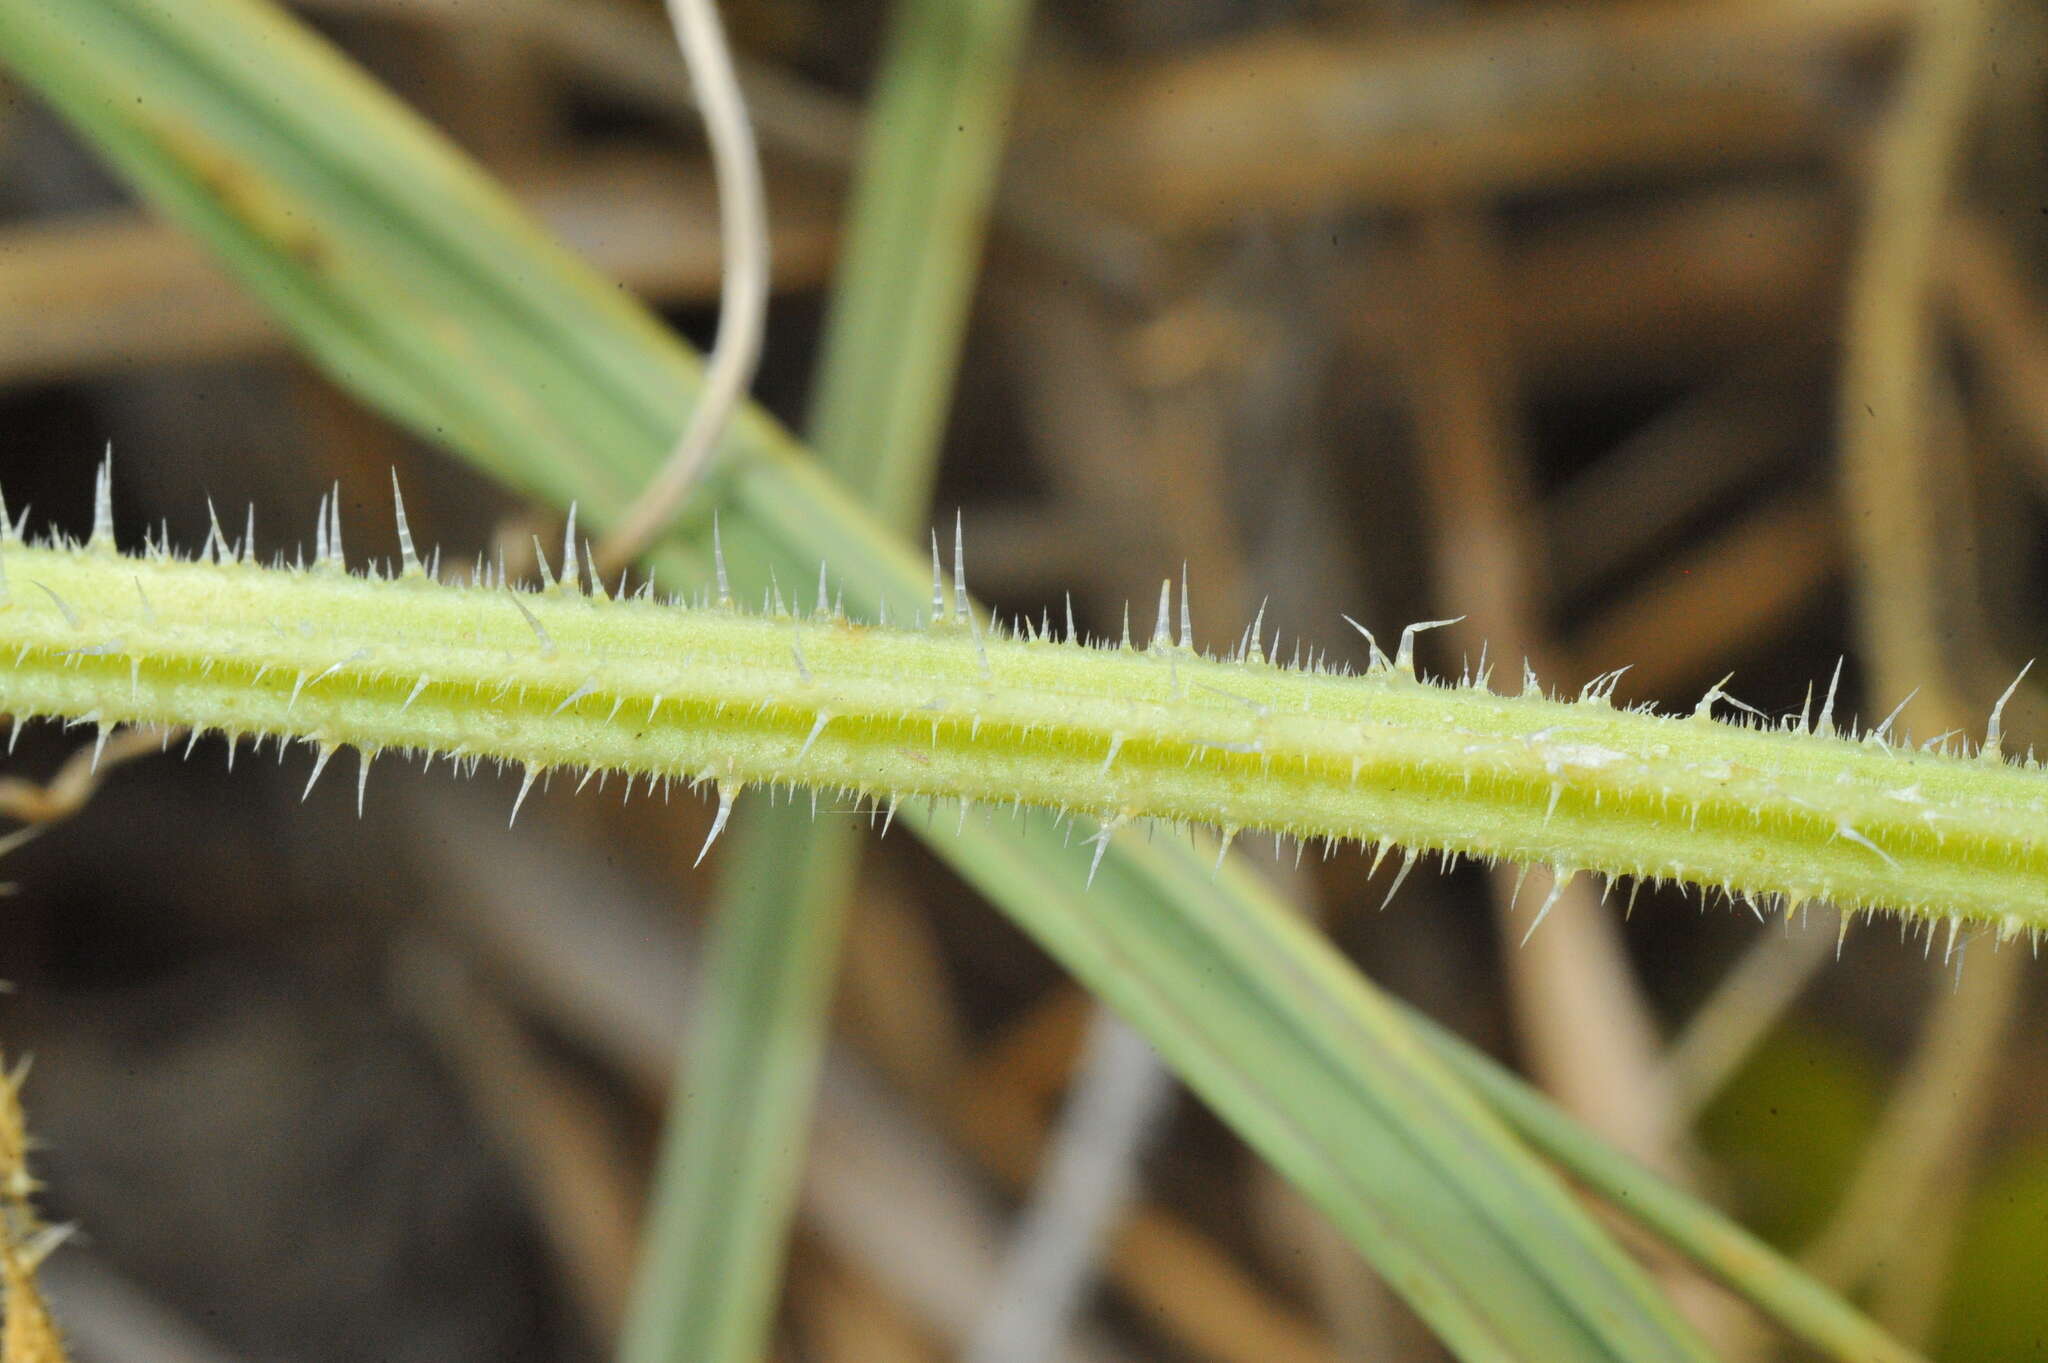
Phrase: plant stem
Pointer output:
(958, 711)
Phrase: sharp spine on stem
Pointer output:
(102, 537)
(961, 609)
(408, 556)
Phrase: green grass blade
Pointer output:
(1746, 1265)
(418, 284)
(1317, 1070)
(718, 1226)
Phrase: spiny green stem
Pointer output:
(557, 679)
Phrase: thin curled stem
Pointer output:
(743, 291)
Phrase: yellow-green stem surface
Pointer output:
(559, 680)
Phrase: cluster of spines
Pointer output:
(577, 576)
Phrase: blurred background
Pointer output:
(1598, 323)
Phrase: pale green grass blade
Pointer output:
(275, 150)
(718, 1227)
(740, 1116)
(913, 248)
(414, 281)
